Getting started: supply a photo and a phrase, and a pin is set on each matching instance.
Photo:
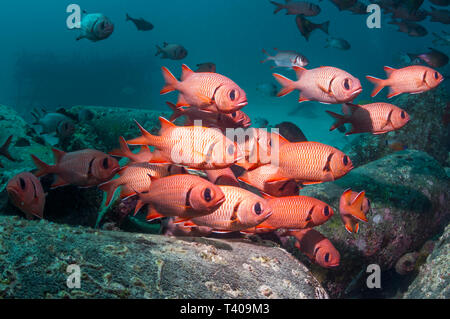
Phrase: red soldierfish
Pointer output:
(83, 168)
(316, 247)
(224, 176)
(326, 84)
(144, 155)
(26, 193)
(411, 79)
(205, 89)
(186, 196)
(375, 118)
(353, 207)
(193, 146)
(241, 210)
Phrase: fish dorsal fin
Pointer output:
(298, 71)
(281, 139)
(349, 108)
(185, 72)
(347, 194)
(165, 124)
(267, 196)
(358, 199)
(57, 155)
(389, 70)
(356, 207)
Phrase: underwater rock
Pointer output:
(433, 280)
(106, 124)
(426, 131)
(24, 142)
(34, 256)
(409, 199)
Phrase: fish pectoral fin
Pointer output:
(349, 228)
(59, 182)
(153, 214)
(205, 99)
(139, 205)
(218, 231)
(178, 220)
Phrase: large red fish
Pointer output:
(353, 206)
(26, 193)
(83, 168)
(311, 163)
(264, 178)
(241, 210)
(316, 247)
(204, 89)
(296, 212)
(186, 196)
(193, 146)
(411, 79)
(143, 156)
(137, 177)
(326, 84)
(375, 118)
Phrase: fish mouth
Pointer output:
(333, 265)
(357, 91)
(244, 103)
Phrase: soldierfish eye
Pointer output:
(257, 209)
(207, 194)
(403, 114)
(105, 163)
(233, 115)
(326, 211)
(230, 149)
(345, 160)
(347, 84)
(327, 257)
(232, 95)
(22, 183)
(436, 75)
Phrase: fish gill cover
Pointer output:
(324, 130)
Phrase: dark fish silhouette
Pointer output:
(140, 23)
(344, 4)
(434, 58)
(439, 15)
(4, 150)
(306, 27)
(291, 132)
(410, 28)
(206, 67)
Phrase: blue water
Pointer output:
(123, 71)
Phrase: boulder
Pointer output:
(34, 256)
(409, 198)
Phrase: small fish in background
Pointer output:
(4, 150)
(205, 89)
(137, 178)
(267, 88)
(343, 4)
(183, 195)
(410, 28)
(171, 51)
(291, 132)
(440, 2)
(396, 145)
(307, 9)
(26, 193)
(169, 228)
(316, 247)
(262, 178)
(240, 210)
(358, 8)
(193, 146)
(375, 118)
(405, 14)
(206, 67)
(95, 27)
(143, 156)
(353, 207)
(411, 79)
(325, 84)
(224, 176)
(434, 58)
(141, 24)
(306, 27)
(286, 59)
(85, 115)
(441, 39)
(296, 212)
(53, 124)
(439, 15)
(337, 43)
(84, 168)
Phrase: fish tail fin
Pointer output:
(127, 17)
(4, 149)
(324, 26)
(171, 81)
(379, 84)
(279, 6)
(145, 139)
(124, 150)
(43, 168)
(267, 58)
(177, 111)
(340, 120)
(109, 188)
(287, 85)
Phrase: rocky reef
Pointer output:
(34, 256)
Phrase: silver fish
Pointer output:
(286, 59)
